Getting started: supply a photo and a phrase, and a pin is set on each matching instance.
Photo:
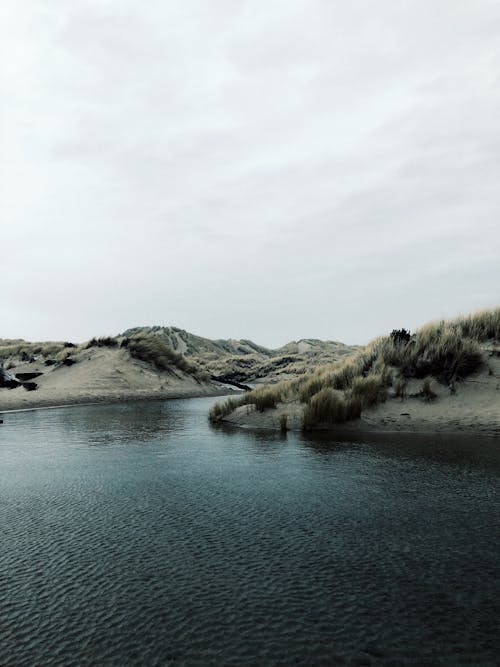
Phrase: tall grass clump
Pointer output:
(427, 392)
(24, 349)
(330, 406)
(481, 326)
(327, 406)
(369, 390)
(153, 350)
(262, 398)
(439, 350)
(104, 341)
(221, 409)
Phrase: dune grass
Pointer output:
(446, 351)
(21, 349)
(104, 341)
(330, 406)
(155, 351)
(262, 398)
(427, 392)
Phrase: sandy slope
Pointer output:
(474, 408)
(102, 374)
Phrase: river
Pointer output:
(139, 534)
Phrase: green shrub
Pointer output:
(400, 336)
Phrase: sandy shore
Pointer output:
(64, 399)
(103, 376)
(473, 409)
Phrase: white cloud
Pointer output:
(256, 169)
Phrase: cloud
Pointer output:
(262, 169)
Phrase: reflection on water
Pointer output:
(138, 534)
(460, 449)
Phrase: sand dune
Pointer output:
(102, 374)
(473, 408)
(443, 377)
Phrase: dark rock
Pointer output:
(68, 361)
(50, 362)
(8, 380)
(30, 386)
(11, 384)
(23, 377)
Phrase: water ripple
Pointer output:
(177, 544)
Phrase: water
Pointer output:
(139, 535)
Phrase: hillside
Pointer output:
(242, 362)
(443, 377)
(146, 362)
(87, 374)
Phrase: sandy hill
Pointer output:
(242, 362)
(444, 377)
(146, 362)
(96, 373)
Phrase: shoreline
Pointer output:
(361, 428)
(364, 430)
(469, 412)
(30, 403)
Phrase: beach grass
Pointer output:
(446, 351)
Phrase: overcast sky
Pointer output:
(271, 169)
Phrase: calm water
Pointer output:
(138, 535)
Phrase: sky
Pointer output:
(263, 169)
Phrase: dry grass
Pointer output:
(104, 341)
(155, 351)
(20, 349)
(427, 391)
(330, 406)
(447, 351)
(369, 390)
(223, 408)
(262, 398)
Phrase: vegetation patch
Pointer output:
(427, 392)
(153, 350)
(262, 398)
(105, 341)
(368, 390)
(445, 351)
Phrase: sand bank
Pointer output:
(474, 408)
(103, 375)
